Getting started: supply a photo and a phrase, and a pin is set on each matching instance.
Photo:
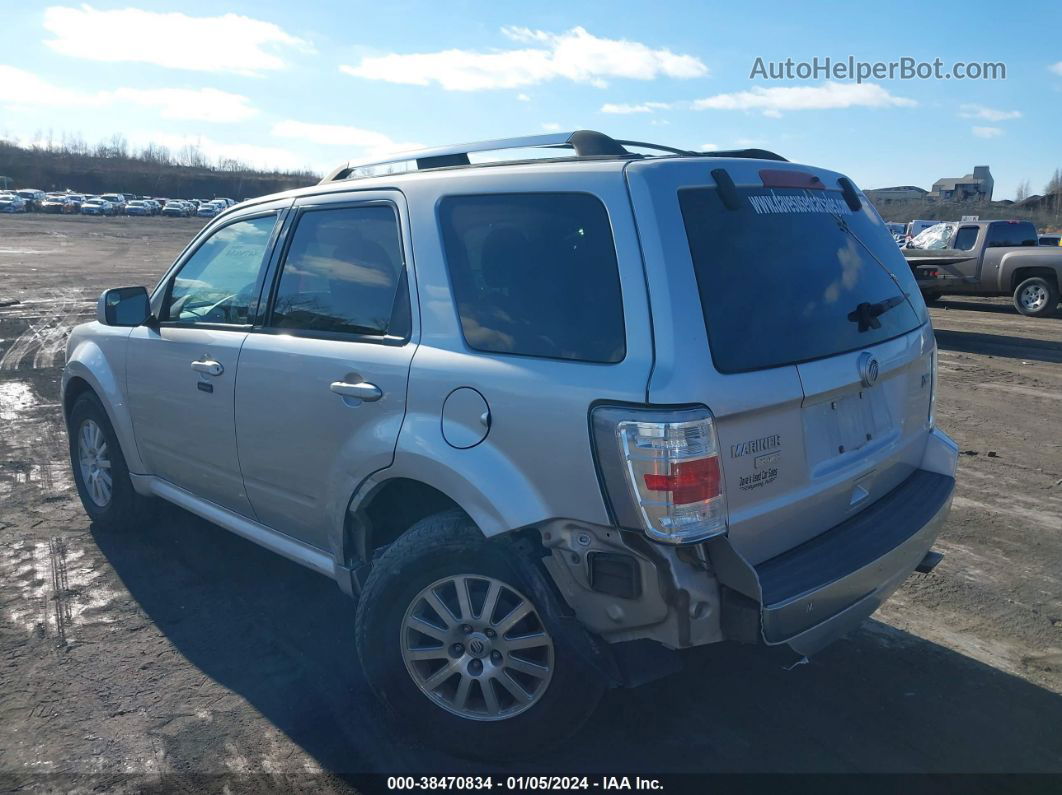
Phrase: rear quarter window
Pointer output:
(535, 274)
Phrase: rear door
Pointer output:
(796, 320)
(322, 385)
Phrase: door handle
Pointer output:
(362, 391)
(208, 366)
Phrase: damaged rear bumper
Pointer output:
(812, 594)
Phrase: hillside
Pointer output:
(1044, 211)
(151, 173)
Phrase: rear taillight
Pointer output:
(933, 387)
(662, 471)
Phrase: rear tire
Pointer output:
(1036, 297)
(407, 669)
(100, 472)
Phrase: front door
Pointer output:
(321, 391)
(181, 372)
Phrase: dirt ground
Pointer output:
(185, 650)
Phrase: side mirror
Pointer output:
(124, 306)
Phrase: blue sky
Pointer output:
(311, 84)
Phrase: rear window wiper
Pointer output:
(866, 314)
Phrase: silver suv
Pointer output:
(549, 420)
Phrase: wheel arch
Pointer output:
(89, 370)
(383, 509)
(1028, 271)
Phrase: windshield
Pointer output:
(794, 275)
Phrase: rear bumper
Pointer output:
(827, 586)
(812, 594)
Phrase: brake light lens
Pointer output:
(674, 477)
(933, 387)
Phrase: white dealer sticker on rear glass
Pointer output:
(771, 203)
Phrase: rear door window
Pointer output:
(794, 275)
(344, 274)
(1005, 234)
(535, 274)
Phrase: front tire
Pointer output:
(463, 641)
(1036, 297)
(100, 472)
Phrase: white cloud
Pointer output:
(523, 97)
(367, 142)
(643, 107)
(986, 132)
(1056, 68)
(988, 114)
(575, 55)
(21, 88)
(229, 43)
(774, 101)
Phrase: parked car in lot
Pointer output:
(176, 209)
(32, 197)
(992, 258)
(12, 203)
(59, 203)
(154, 205)
(97, 206)
(210, 209)
(138, 207)
(916, 227)
(561, 447)
(898, 232)
(117, 200)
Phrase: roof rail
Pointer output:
(585, 143)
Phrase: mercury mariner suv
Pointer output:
(545, 418)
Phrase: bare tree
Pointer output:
(1023, 192)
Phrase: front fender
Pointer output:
(96, 354)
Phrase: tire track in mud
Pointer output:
(48, 321)
(53, 589)
(60, 589)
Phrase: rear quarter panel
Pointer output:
(536, 462)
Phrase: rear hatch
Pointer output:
(786, 307)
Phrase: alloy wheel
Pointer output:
(95, 462)
(477, 647)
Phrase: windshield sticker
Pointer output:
(773, 204)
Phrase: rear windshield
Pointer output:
(794, 275)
